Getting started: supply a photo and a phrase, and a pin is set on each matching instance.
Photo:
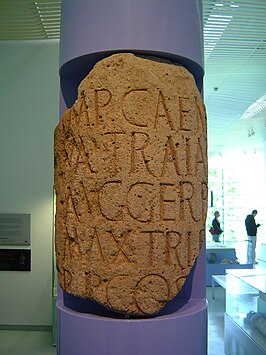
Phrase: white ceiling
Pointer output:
(235, 73)
(235, 62)
(27, 19)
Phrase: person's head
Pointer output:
(254, 213)
(216, 214)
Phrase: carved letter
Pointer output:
(112, 147)
(110, 191)
(96, 249)
(170, 156)
(172, 241)
(102, 98)
(168, 205)
(140, 201)
(133, 114)
(120, 245)
(201, 164)
(162, 111)
(188, 209)
(187, 114)
(201, 115)
(138, 143)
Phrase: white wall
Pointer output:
(29, 105)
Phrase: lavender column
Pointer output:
(92, 30)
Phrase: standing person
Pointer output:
(217, 231)
(251, 228)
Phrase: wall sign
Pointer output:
(15, 259)
(14, 229)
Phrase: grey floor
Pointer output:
(18, 342)
(216, 309)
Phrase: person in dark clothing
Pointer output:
(217, 231)
(251, 228)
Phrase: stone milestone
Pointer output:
(131, 184)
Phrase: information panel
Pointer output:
(15, 259)
(14, 229)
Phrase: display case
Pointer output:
(245, 319)
(219, 258)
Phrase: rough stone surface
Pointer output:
(131, 184)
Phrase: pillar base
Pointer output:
(182, 332)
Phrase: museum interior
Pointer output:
(33, 56)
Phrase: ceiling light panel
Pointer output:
(25, 19)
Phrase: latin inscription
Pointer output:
(131, 184)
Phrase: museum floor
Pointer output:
(14, 342)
